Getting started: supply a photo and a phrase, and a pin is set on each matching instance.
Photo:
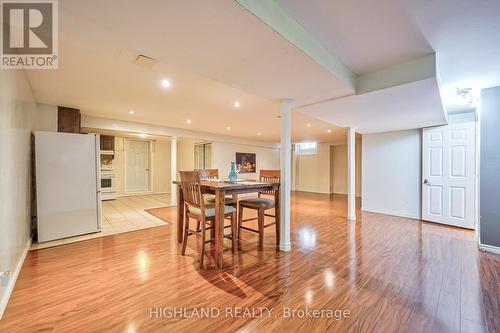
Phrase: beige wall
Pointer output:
(312, 172)
(185, 155)
(47, 117)
(339, 169)
(161, 166)
(325, 171)
(160, 158)
(17, 119)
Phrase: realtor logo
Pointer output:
(29, 34)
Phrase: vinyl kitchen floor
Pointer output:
(121, 215)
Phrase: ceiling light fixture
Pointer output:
(258, 133)
(188, 121)
(131, 112)
(329, 131)
(165, 83)
(236, 104)
(308, 125)
(228, 128)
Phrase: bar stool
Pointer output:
(260, 204)
(194, 207)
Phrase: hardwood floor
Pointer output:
(385, 274)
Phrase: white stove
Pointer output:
(108, 183)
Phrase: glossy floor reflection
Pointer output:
(390, 274)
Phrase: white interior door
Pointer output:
(137, 166)
(448, 173)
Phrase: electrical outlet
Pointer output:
(4, 278)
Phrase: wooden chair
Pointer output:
(260, 204)
(214, 174)
(195, 207)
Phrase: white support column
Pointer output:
(286, 174)
(173, 170)
(351, 174)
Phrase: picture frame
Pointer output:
(246, 162)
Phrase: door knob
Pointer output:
(426, 182)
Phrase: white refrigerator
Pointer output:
(68, 193)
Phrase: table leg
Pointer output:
(219, 225)
(180, 214)
(235, 198)
(277, 214)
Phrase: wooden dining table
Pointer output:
(220, 189)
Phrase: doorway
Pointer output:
(203, 156)
(137, 166)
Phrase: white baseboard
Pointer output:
(489, 248)
(285, 247)
(392, 213)
(345, 193)
(328, 193)
(6, 296)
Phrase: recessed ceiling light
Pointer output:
(188, 121)
(142, 135)
(308, 125)
(236, 104)
(165, 83)
(258, 133)
(329, 131)
(131, 112)
(228, 128)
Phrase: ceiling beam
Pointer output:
(135, 127)
(270, 13)
(410, 71)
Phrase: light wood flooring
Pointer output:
(391, 274)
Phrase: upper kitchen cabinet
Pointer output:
(107, 143)
(68, 120)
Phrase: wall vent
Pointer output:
(145, 61)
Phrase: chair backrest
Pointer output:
(272, 176)
(209, 173)
(191, 188)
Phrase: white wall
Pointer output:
(17, 119)
(338, 172)
(391, 177)
(223, 153)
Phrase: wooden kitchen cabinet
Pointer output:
(107, 142)
(68, 120)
